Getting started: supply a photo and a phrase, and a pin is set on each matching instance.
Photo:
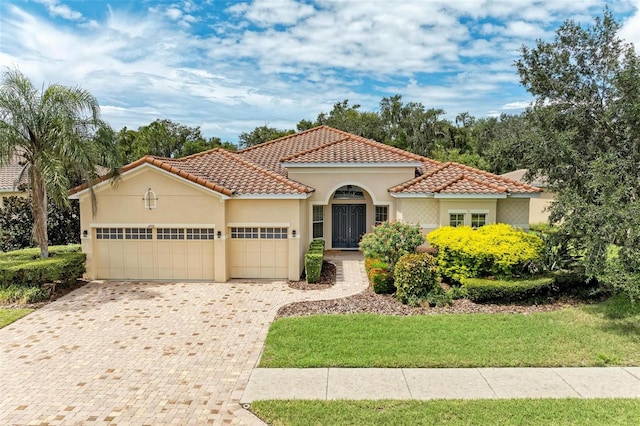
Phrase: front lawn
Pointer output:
(451, 412)
(7, 316)
(607, 333)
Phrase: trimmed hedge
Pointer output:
(482, 290)
(493, 250)
(313, 261)
(25, 268)
(416, 279)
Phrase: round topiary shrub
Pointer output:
(416, 278)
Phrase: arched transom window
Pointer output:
(349, 192)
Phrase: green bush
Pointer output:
(416, 278)
(26, 269)
(391, 240)
(381, 281)
(24, 295)
(492, 250)
(313, 261)
(482, 290)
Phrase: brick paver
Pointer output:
(146, 353)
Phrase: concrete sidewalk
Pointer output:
(441, 383)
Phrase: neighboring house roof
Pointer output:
(262, 169)
(454, 178)
(520, 174)
(11, 175)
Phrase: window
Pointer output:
(109, 233)
(478, 219)
(267, 233)
(349, 192)
(318, 221)
(273, 233)
(382, 214)
(244, 233)
(456, 219)
(150, 199)
(138, 233)
(170, 234)
(200, 234)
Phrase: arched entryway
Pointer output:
(348, 217)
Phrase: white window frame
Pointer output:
(314, 221)
(376, 220)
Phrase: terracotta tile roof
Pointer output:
(454, 178)
(353, 149)
(221, 171)
(10, 177)
(520, 174)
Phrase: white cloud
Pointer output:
(63, 11)
(516, 105)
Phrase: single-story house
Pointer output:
(538, 206)
(13, 179)
(218, 215)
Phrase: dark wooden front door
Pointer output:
(349, 224)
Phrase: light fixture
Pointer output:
(293, 233)
(85, 233)
(219, 234)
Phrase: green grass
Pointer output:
(7, 316)
(592, 335)
(451, 412)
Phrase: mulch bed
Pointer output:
(385, 304)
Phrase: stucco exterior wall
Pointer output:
(467, 207)
(424, 212)
(538, 212)
(514, 211)
(178, 204)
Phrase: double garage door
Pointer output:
(155, 253)
(259, 252)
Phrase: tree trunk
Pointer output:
(39, 199)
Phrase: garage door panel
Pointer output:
(259, 254)
(167, 259)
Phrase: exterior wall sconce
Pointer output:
(150, 199)
(293, 233)
(219, 234)
(85, 233)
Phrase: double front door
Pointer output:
(348, 225)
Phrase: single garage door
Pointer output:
(155, 253)
(259, 252)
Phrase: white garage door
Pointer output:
(259, 252)
(155, 253)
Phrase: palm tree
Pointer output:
(53, 131)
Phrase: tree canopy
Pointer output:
(52, 132)
(586, 84)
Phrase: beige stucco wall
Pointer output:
(538, 208)
(179, 203)
(514, 211)
(467, 206)
(424, 212)
(374, 181)
(271, 212)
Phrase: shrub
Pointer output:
(26, 269)
(502, 291)
(313, 261)
(19, 294)
(382, 281)
(415, 278)
(391, 240)
(492, 250)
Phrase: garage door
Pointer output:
(259, 252)
(155, 253)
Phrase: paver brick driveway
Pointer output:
(146, 353)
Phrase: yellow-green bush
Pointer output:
(494, 250)
(416, 279)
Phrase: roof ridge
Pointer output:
(164, 165)
(498, 177)
(450, 182)
(249, 148)
(420, 178)
(291, 183)
(313, 149)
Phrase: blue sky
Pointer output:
(229, 66)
